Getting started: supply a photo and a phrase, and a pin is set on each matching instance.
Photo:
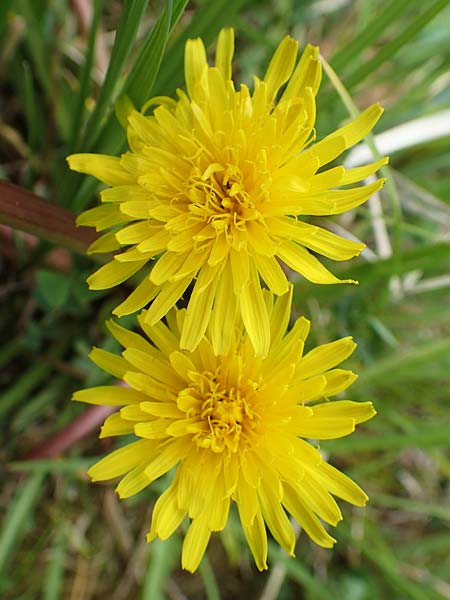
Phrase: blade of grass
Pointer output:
(377, 26)
(17, 518)
(396, 367)
(424, 508)
(53, 577)
(31, 108)
(36, 42)
(138, 85)
(205, 24)
(23, 386)
(162, 558)
(53, 465)
(398, 41)
(127, 29)
(390, 186)
(209, 579)
(429, 436)
(85, 75)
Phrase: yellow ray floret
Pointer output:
(215, 190)
(232, 427)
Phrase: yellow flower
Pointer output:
(213, 187)
(231, 426)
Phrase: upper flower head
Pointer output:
(232, 426)
(213, 186)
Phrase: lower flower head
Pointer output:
(218, 187)
(232, 426)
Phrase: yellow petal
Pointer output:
(139, 297)
(306, 264)
(223, 318)
(281, 66)
(199, 309)
(325, 357)
(272, 273)
(256, 537)
(135, 233)
(360, 173)
(340, 485)
(338, 380)
(280, 316)
(315, 238)
(105, 168)
(254, 314)
(113, 273)
(109, 395)
(149, 364)
(153, 430)
(109, 362)
(122, 193)
(115, 425)
(306, 518)
(166, 516)
(121, 460)
(102, 217)
(224, 52)
(135, 481)
(277, 521)
(318, 498)
(359, 127)
(162, 336)
(195, 543)
(167, 458)
(129, 339)
(194, 64)
(166, 299)
(166, 266)
(359, 411)
(105, 243)
(307, 74)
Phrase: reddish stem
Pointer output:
(78, 429)
(24, 210)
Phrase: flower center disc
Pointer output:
(222, 415)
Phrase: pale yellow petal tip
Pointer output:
(312, 50)
(73, 160)
(92, 285)
(76, 396)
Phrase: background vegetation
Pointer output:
(62, 66)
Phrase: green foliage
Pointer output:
(60, 536)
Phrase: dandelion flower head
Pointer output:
(231, 428)
(215, 189)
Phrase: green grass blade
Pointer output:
(205, 24)
(429, 436)
(53, 577)
(85, 75)
(388, 50)
(424, 508)
(138, 86)
(36, 42)
(19, 390)
(398, 367)
(17, 517)
(139, 83)
(31, 108)
(53, 465)
(209, 580)
(377, 26)
(162, 558)
(127, 29)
